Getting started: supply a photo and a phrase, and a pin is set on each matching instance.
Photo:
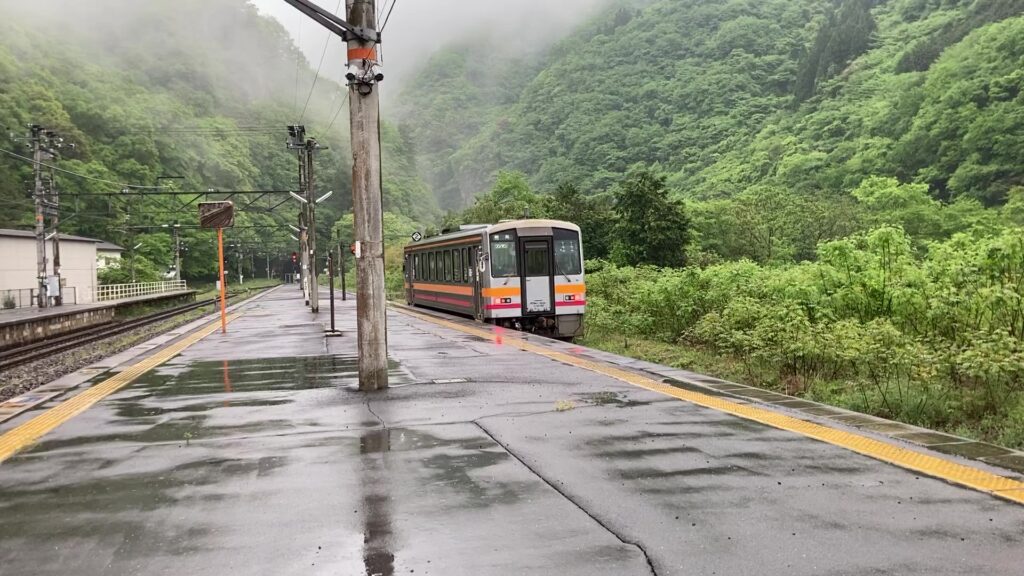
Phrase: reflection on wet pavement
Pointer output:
(378, 558)
(268, 374)
(186, 403)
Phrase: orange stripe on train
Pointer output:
(445, 289)
(570, 289)
(509, 292)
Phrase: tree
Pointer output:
(509, 199)
(594, 216)
(651, 228)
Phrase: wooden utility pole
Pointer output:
(364, 76)
(364, 114)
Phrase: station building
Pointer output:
(80, 260)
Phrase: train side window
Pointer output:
(504, 261)
(568, 259)
(447, 265)
(430, 267)
(415, 267)
(457, 266)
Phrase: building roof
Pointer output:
(9, 233)
(105, 246)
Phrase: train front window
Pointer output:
(504, 263)
(567, 252)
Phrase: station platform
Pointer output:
(493, 452)
(23, 326)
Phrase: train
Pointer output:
(521, 274)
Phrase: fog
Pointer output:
(211, 47)
(419, 27)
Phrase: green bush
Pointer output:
(933, 336)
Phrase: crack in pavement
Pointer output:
(602, 524)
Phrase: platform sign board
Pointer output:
(216, 214)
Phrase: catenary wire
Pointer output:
(76, 174)
(323, 54)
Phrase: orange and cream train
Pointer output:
(522, 274)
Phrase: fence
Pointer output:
(125, 291)
(26, 297)
(10, 299)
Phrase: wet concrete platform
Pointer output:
(251, 453)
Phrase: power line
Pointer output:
(342, 107)
(298, 67)
(76, 174)
(388, 17)
(323, 54)
(150, 192)
(255, 130)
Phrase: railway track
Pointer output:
(41, 350)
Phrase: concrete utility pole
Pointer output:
(44, 144)
(364, 112)
(36, 135)
(59, 299)
(310, 146)
(177, 252)
(297, 141)
(341, 262)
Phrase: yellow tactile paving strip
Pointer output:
(927, 464)
(17, 439)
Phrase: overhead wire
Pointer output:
(323, 54)
(388, 17)
(340, 108)
(76, 174)
(298, 68)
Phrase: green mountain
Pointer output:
(722, 95)
(201, 89)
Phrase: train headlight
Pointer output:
(506, 300)
(570, 297)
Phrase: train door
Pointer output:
(538, 279)
(474, 276)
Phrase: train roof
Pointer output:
(484, 229)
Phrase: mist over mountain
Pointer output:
(417, 28)
(201, 90)
(723, 95)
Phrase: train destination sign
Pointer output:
(416, 236)
(216, 214)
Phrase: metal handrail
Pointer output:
(128, 291)
(17, 298)
(26, 297)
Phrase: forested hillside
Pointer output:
(197, 89)
(815, 95)
(822, 197)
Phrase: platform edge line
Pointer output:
(17, 439)
(926, 464)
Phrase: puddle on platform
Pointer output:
(260, 375)
(184, 403)
(609, 399)
(455, 463)
(973, 450)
